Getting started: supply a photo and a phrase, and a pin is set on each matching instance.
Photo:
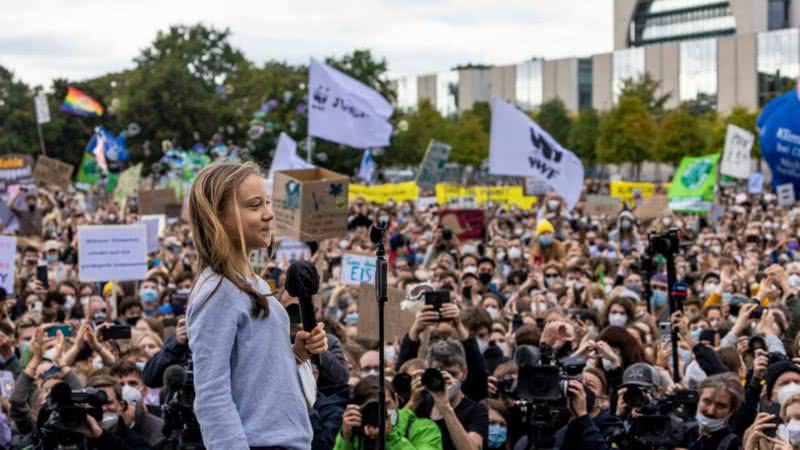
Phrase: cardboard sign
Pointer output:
(357, 269)
(396, 321)
(53, 172)
(432, 168)
(653, 207)
(15, 168)
(755, 183)
(112, 252)
(467, 224)
(155, 223)
(8, 251)
(127, 184)
(291, 250)
(155, 202)
(534, 186)
(736, 157)
(786, 195)
(602, 205)
(310, 204)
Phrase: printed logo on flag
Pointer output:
(549, 153)
(696, 174)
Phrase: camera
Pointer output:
(666, 423)
(433, 380)
(437, 298)
(180, 423)
(667, 243)
(64, 414)
(447, 234)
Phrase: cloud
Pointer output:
(86, 38)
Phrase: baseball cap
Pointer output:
(640, 374)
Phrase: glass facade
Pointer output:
(628, 64)
(584, 83)
(669, 20)
(777, 14)
(407, 95)
(529, 84)
(698, 72)
(778, 63)
(447, 93)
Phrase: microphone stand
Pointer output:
(377, 237)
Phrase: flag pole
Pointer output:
(309, 142)
(41, 137)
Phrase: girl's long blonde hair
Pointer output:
(214, 189)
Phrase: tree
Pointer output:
(627, 132)
(645, 88)
(17, 121)
(411, 140)
(679, 135)
(584, 134)
(553, 117)
(470, 143)
(205, 52)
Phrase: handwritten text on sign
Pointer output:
(357, 269)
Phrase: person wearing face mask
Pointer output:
(626, 234)
(148, 294)
(619, 311)
(31, 211)
(137, 415)
(498, 424)
(112, 433)
(464, 423)
(789, 430)
(404, 430)
(719, 399)
(545, 247)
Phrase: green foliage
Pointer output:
(626, 133)
(646, 89)
(470, 143)
(584, 135)
(679, 135)
(554, 118)
(408, 147)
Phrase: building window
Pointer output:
(698, 72)
(584, 83)
(529, 85)
(447, 93)
(670, 20)
(628, 64)
(777, 14)
(407, 95)
(778, 63)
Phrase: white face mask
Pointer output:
(493, 312)
(617, 319)
(599, 304)
(709, 288)
(392, 416)
(483, 344)
(794, 281)
(50, 354)
(708, 424)
(110, 420)
(786, 391)
(790, 432)
(97, 362)
(69, 301)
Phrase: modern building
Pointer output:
(719, 54)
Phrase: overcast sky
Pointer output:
(77, 39)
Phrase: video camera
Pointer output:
(664, 424)
(667, 243)
(64, 414)
(180, 424)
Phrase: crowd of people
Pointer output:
(554, 331)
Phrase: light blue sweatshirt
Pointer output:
(248, 392)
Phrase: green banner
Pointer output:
(89, 174)
(692, 188)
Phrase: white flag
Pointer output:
(286, 157)
(519, 147)
(368, 166)
(346, 111)
(42, 109)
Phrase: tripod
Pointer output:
(376, 235)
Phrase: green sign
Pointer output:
(692, 188)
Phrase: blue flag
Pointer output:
(368, 166)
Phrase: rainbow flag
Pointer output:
(81, 104)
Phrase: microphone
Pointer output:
(302, 282)
(174, 378)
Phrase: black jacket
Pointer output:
(326, 417)
(171, 353)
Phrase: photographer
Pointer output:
(404, 430)
(719, 398)
(113, 433)
(464, 423)
(174, 352)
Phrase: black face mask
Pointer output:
(32, 208)
(132, 321)
(565, 350)
(485, 278)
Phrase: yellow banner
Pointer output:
(501, 195)
(382, 193)
(624, 190)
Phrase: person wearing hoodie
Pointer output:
(626, 234)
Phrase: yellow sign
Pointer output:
(382, 193)
(624, 190)
(501, 195)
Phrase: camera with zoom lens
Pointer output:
(64, 415)
(666, 423)
(180, 423)
(668, 243)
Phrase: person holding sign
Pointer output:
(244, 362)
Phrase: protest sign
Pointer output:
(466, 224)
(15, 168)
(52, 172)
(310, 204)
(519, 147)
(156, 201)
(128, 183)
(423, 203)
(290, 250)
(42, 109)
(736, 157)
(786, 195)
(627, 191)
(692, 188)
(155, 224)
(534, 186)
(505, 196)
(397, 321)
(8, 266)
(602, 205)
(346, 111)
(755, 183)
(653, 207)
(112, 252)
(383, 193)
(357, 269)
(432, 167)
